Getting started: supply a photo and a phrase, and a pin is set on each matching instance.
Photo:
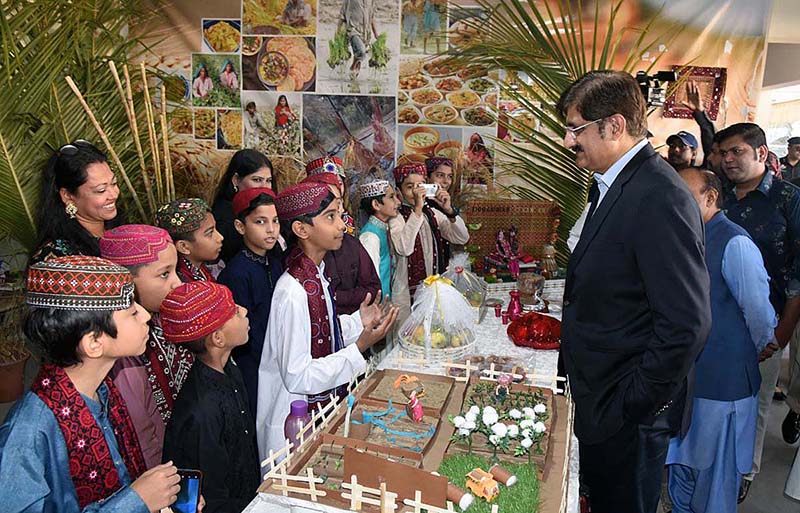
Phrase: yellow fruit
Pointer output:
(439, 340)
(419, 336)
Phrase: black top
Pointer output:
(232, 242)
(211, 430)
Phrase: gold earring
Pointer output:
(71, 209)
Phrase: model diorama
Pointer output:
(418, 442)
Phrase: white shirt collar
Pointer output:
(616, 168)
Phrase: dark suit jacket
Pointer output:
(636, 302)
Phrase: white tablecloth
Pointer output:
(491, 340)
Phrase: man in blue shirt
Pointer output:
(708, 463)
(69, 444)
(769, 210)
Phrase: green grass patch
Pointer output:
(523, 497)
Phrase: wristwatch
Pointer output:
(454, 214)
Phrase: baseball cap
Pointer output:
(685, 137)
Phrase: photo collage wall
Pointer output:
(358, 79)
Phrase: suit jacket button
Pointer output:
(566, 302)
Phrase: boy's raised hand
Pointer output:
(377, 318)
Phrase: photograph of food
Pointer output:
(215, 79)
(358, 45)
(221, 35)
(423, 97)
(439, 114)
(205, 124)
(284, 17)
(271, 122)
(251, 45)
(229, 129)
(422, 141)
(440, 68)
(448, 84)
(440, 95)
(180, 121)
(464, 28)
(477, 116)
(281, 64)
(463, 99)
(408, 115)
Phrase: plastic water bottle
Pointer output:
(297, 418)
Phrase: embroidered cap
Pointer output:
(194, 310)
(373, 189)
(434, 162)
(134, 244)
(182, 216)
(325, 165)
(325, 178)
(300, 199)
(242, 199)
(79, 282)
(403, 170)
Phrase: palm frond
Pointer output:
(541, 45)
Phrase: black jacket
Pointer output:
(636, 303)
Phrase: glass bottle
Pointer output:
(515, 305)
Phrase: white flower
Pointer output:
(527, 423)
(513, 431)
(539, 427)
(515, 414)
(526, 433)
(471, 416)
(470, 425)
(539, 408)
(526, 443)
(489, 409)
(500, 429)
(459, 421)
(474, 409)
(490, 417)
(494, 439)
(464, 431)
(528, 412)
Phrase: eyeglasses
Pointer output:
(71, 149)
(576, 131)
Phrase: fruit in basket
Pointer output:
(536, 331)
(439, 338)
(418, 338)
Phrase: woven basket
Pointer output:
(434, 356)
(536, 222)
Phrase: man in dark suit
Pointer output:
(636, 303)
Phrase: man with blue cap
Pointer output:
(682, 150)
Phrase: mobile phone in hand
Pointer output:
(189, 495)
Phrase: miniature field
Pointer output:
(523, 497)
(397, 423)
(436, 392)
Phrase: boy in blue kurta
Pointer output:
(251, 275)
(379, 200)
(69, 444)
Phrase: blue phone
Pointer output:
(189, 495)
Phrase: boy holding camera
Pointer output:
(422, 243)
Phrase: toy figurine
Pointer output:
(413, 390)
(501, 390)
(482, 484)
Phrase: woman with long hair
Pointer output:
(247, 169)
(202, 83)
(78, 202)
(227, 76)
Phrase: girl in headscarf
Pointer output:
(228, 76)
(202, 83)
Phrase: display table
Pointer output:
(491, 340)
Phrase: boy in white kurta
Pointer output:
(308, 349)
(421, 235)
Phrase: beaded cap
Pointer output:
(182, 216)
(79, 282)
